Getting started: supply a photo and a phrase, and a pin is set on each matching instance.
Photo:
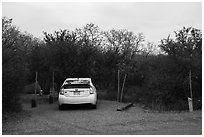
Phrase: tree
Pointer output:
(17, 63)
(186, 50)
(124, 44)
(74, 53)
(14, 65)
(150, 48)
(187, 43)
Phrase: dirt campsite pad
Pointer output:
(46, 119)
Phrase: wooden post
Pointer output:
(34, 100)
(52, 89)
(190, 104)
(121, 98)
(118, 86)
(36, 78)
(53, 80)
(191, 92)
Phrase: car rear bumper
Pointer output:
(77, 100)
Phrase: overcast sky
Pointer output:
(155, 20)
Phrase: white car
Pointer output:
(77, 91)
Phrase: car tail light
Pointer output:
(62, 91)
(91, 91)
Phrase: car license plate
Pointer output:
(76, 93)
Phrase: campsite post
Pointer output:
(34, 101)
(118, 95)
(36, 78)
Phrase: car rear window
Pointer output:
(77, 82)
(68, 86)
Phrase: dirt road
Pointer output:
(46, 119)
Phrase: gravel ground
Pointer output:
(46, 119)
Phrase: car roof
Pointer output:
(78, 79)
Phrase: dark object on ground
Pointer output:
(125, 107)
(50, 99)
(33, 103)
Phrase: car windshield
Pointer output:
(68, 86)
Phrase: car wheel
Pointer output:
(94, 106)
(61, 107)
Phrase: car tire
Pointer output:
(94, 106)
(61, 107)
